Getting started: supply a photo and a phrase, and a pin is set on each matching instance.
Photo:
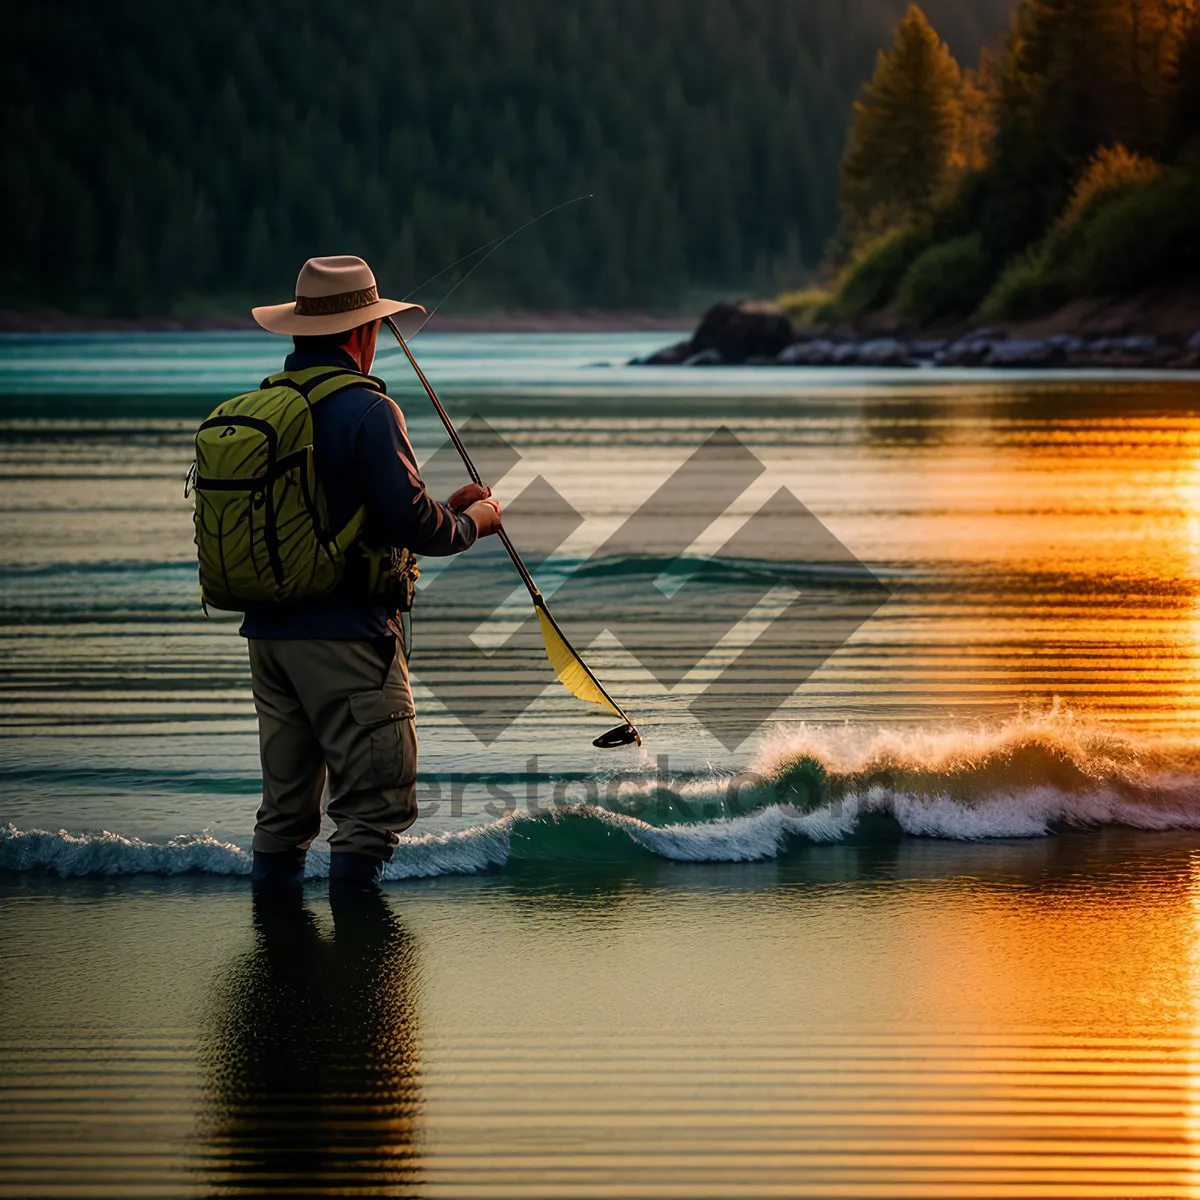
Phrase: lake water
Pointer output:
(929, 928)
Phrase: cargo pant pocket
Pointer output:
(388, 757)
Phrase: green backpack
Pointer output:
(262, 527)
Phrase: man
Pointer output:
(330, 682)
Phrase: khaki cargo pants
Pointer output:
(341, 709)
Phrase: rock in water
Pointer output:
(817, 352)
(969, 351)
(885, 352)
(1037, 352)
(736, 332)
(668, 356)
(742, 331)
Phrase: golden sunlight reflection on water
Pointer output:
(887, 1015)
(920, 1020)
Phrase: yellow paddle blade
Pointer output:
(571, 672)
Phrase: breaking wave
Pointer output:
(1026, 778)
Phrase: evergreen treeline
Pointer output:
(156, 153)
(1068, 166)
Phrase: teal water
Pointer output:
(928, 930)
(1038, 578)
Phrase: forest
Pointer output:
(1067, 165)
(186, 158)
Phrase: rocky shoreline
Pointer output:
(761, 335)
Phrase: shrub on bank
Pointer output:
(1027, 287)
(1112, 170)
(949, 279)
(874, 273)
(1114, 236)
(1128, 239)
(803, 307)
(1143, 237)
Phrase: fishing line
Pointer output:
(490, 248)
(469, 254)
(568, 664)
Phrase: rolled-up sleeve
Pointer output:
(398, 507)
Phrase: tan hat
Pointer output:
(335, 295)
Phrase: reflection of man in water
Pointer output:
(311, 1069)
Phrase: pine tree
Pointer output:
(203, 252)
(129, 285)
(977, 128)
(172, 267)
(256, 253)
(1183, 115)
(1077, 76)
(1153, 32)
(709, 130)
(900, 152)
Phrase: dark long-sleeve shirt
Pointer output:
(363, 458)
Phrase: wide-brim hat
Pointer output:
(334, 295)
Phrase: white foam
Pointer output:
(107, 853)
(750, 838)
(460, 853)
(1021, 779)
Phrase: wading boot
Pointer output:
(273, 872)
(354, 872)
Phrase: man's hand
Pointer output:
(486, 515)
(467, 495)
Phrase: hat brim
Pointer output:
(282, 318)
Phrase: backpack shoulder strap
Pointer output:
(319, 383)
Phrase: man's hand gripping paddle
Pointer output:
(573, 673)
